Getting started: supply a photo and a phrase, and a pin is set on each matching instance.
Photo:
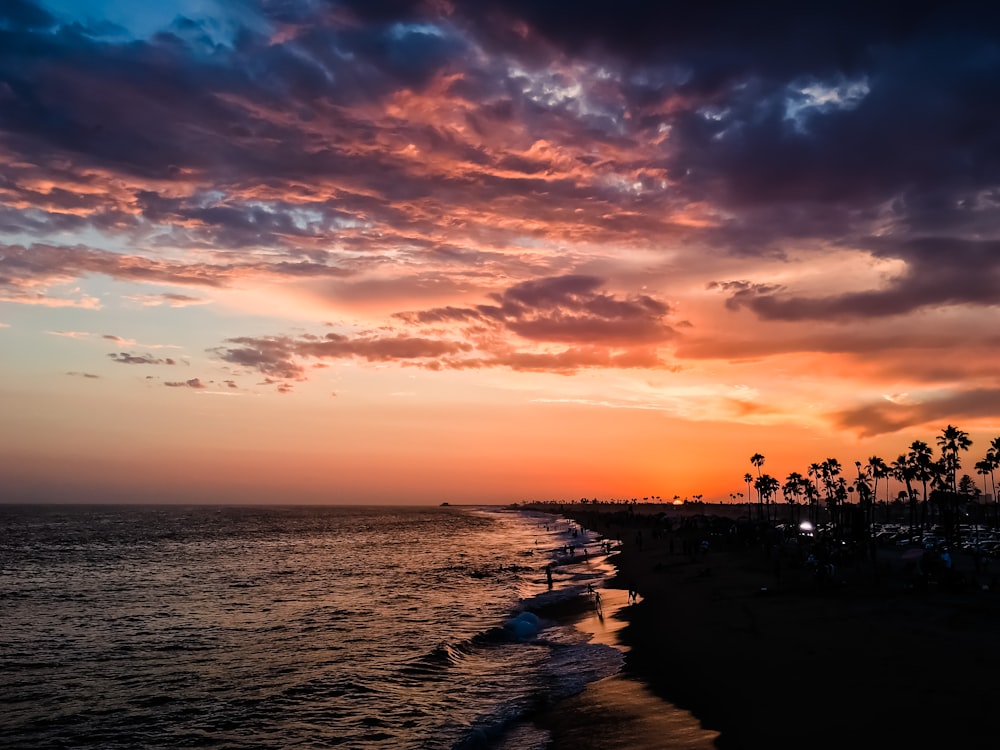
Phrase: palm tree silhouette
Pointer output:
(812, 492)
(879, 470)
(758, 460)
(866, 493)
(951, 441)
(993, 456)
(904, 469)
(766, 487)
(984, 468)
(835, 488)
(920, 459)
(795, 485)
(748, 478)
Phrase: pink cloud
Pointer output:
(602, 330)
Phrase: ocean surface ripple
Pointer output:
(235, 627)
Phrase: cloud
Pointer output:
(565, 362)
(23, 270)
(44, 300)
(564, 309)
(273, 356)
(172, 299)
(126, 358)
(277, 356)
(940, 272)
(576, 323)
(336, 120)
(887, 416)
(22, 267)
(70, 334)
(24, 14)
(192, 383)
(83, 375)
(116, 339)
(119, 341)
(520, 182)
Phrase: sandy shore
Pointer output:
(762, 656)
(620, 712)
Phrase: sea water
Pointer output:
(283, 627)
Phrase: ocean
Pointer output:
(290, 627)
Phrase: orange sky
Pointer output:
(485, 253)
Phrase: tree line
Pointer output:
(935, 488)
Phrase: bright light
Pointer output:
(805, 527)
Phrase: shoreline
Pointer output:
(743, 638)
(620, 712)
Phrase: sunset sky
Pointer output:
(391, 251)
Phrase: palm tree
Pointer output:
(829, 473)
(984, 468)
(919, 458)
(766, 487)
(951, 441)
(995, 451)
(905, 470)
(812, 492)
(879, 470)
(795, 485)
(758, 460)
(866, 496)
(748, 478)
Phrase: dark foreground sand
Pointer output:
(763, 657)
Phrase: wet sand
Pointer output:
(620, 712)
(763, 657)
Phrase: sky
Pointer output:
(383, 251)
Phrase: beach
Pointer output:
(762, 653)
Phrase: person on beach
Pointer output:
(548, 574)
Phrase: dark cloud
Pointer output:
(192, 383)
(940, 272)
(178, 300)
(273, 356)
(24, 14)
(278, 356)
(276, 128)
(328, 137)
(126, 358)
(379, 349)
(565, 309)
(884, 417)
(20, 265)
(771, 37)
(851, 139)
